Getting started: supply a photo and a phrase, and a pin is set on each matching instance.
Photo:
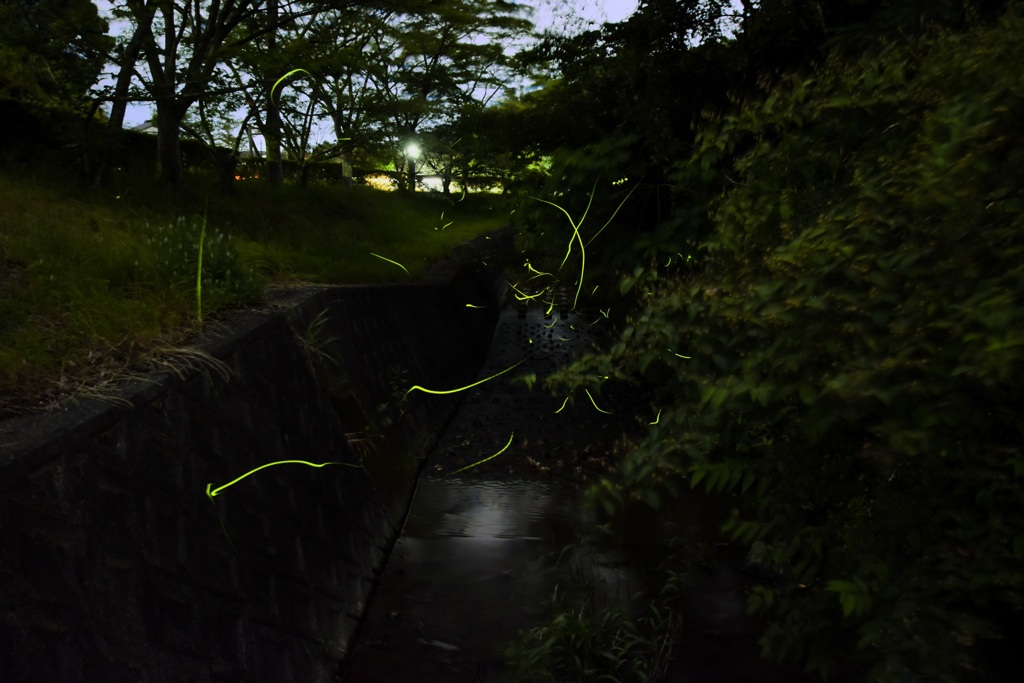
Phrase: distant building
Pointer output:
(147, 127)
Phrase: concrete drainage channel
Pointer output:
(118, 566)
(482, 552)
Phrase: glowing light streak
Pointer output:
(285, 77)
(594, 403)
(614, 214)
(539, 273)
(577, 237)
(548, 327)
(563, 405)
(475, 306)
(520, 296)
(199, 269)
(656, 419)
(446, 224)
(468, 386)
(210, 492)
(489, 457)
(382, 258)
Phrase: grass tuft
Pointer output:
(92, 282)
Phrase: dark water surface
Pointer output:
(482, 551)
(477, 562)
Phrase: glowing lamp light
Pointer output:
(413, 151)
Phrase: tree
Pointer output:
(346, 52)
(51, 51)
(125, 55)
(214, 122)
(182, 45)
(441, 60)
(846, 362)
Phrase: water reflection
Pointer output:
(477, 562)
(537, 510)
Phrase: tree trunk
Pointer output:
(346, 169)
(272, 133)
(168, 143)
(226, 164)
(411, 180)
(119, 105)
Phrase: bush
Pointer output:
(584, 642)
(854, 356)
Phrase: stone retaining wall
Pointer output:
(115, 565)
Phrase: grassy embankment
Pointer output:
(93, 285)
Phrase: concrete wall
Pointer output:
(115, 565)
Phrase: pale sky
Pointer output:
(555, 13)
(617, 10)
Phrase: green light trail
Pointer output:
(468, 386)
(489, 457)
(537, 273)
(594, 403)
(199, 268)
(278, 81)
(521, 296)
(211, 493)
(577, 237)
(382, 258)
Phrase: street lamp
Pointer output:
(412, 152)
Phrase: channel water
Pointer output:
(484, 550)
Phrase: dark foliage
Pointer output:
(852, 364)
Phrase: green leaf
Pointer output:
(698, 476)
(646, 358)
(854, 596)
(652, 498)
